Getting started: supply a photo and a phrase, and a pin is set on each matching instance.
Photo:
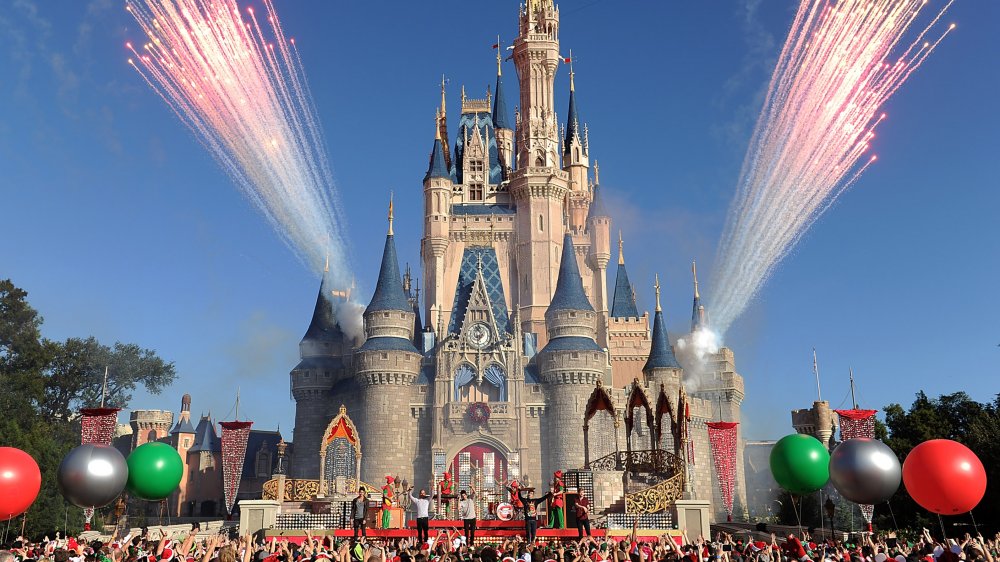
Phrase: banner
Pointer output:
(97, 428)
(722, 436)
(855, 424)
(235, 435)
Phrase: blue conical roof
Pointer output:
(623, 303)
(437, 168)
(500, 116)
(389, 293)
(661, 355)
(323, 326)
(597, 208)
(569, 293)
(572, 121)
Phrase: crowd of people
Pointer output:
(453, 546)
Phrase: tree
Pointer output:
(951, 416)
(44, 384)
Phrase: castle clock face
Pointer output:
(479, 335)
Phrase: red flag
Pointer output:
(567, 60)
(495, 46)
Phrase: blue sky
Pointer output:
(120, 225)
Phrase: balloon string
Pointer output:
(894, 524)
(974, 526)
(944, 535)
(6, 529)
(798, 517)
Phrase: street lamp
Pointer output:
(830, 509)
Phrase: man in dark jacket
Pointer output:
(359, 511)
(530, 511)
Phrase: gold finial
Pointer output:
(694, 272)
(443, 82)
(327, 268)
(621, 249)
(597, 173)
(463, 94)
(437, 125)
(571, 73)
(657, 287)
(390, 213)
(499, 54)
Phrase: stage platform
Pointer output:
(487, 530)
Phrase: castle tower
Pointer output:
(182, 439)
(437, 208)
(570, 364)
(502, 124)
(576, 162)
(149, 425)
(539, 185)
(661, 367)
(697, 310)
(628, 332)
(386, 366)
(321, 353)
(599, 227)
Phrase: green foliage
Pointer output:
(951, 416)
(44, 384)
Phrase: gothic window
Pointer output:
(541, 224)
(539, 159)
(476, 192)
(263, 463)
(476, 166)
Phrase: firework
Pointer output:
(244, 94)
(840, 63)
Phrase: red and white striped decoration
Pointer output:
(235, 435)
(722, 436)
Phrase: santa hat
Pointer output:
(508, 559)
(322, 556)
(447, 475)
(514, 484)
(558, 474)
(167, 554)
(425, 546)
(757, 545)
(389, 479)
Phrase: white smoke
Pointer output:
(694, 352)
(349, 315)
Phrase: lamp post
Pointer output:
(830, 509)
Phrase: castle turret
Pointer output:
(570, 364)
(697, 310)
(321, 364)
(502, 124)
(599, 227)
(628, 332)
(437, 209)
(386, 366)
(623, 303)
(662, 366)
(576, 162)
(539, 185)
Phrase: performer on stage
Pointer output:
(387, 497)
(515, 502)
(359, 509)
(530, 511)
(582, 515)
(422, 505)
(556, 518)
(446, 492)
(467, 513)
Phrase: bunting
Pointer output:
(97, 427)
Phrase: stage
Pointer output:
(487, 530)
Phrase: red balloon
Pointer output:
(20, 481)
(944, 477)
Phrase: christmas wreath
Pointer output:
(479, 412)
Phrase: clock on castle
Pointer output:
(515, 313)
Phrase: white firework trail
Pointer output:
(840, 63)
(246, 98)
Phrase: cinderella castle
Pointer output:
(515, 359)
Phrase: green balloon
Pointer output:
(154, 471)
(800, 463)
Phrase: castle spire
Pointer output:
(697, 310)
(661, 355)
(500, 118)
(571, 73)
(438, 167)
(623, 300)
(657, 287)
(572, 120)
(390, 216)
(569, 293)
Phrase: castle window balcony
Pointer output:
(499, 411)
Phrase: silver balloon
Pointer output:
(92, 475)
(865, 471)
